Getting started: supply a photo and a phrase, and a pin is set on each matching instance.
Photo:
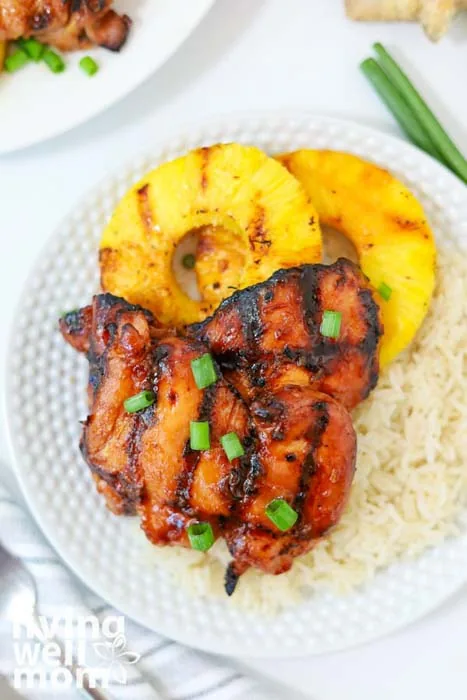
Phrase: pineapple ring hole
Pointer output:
(187, 279)
(337, 245)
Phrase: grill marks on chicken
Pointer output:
(269, 335)
(286, 400)
(183, 485)
(306, 448)
(144, 458)
(117, 339)
(65, 24)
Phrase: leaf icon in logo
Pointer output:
(118, 644)
(104, 650)
(129, 657)
(116, 656)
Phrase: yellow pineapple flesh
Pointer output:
(256, 214)
(388, 228)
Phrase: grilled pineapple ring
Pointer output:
(248, 198)
(387, 226)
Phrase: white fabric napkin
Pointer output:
(152, 668)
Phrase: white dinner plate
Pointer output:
(46, 399)
(36, 104)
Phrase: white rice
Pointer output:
(411, 480)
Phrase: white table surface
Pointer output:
(256, 54)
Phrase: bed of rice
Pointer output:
(411, 480)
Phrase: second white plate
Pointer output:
(36, 104)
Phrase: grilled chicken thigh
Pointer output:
(268, 336)
(182, 485)
(305, 453)
(143, 461)
(65, 24)
(117, 339)
(285, 397)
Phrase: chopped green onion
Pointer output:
(33, 48)
(385, 291)
(281, 514)
(204, 371)
(53, 61)
(199, 435)
(398, 106)
(331, 324)
(188, 261)
(201, 536)
(16, 60)
(233, 448)
(443, 143)
(139, 401)
(88, 65)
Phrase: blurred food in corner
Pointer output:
(434, 15)
(65, 24)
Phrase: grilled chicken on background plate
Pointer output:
(280, 386)
(65, 24)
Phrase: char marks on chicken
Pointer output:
(281, 387)
(268, 335)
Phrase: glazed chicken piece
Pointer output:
(305, 453)
(299, 444)
(268, 336)
(65, 24)
(117, 339)
(142, 462)
(181, 485)
(292, 421)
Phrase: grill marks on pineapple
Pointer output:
(205, 154)
(410, 225)
(246, 194)
(144, 208)
(258, 232)
(378, 215)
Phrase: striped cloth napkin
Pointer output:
(141, 664)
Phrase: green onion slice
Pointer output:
(16, 60)
(204, 371)
(331, 324)
(233, 448)
(385, 291)
(139, 401)
(281, 514)
(53, 61)
(33, 48)
(199, 435)
(201, 536)
(89, 66)
(188, 261)
(64, 314)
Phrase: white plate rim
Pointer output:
(25, 139)
(223, 123)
